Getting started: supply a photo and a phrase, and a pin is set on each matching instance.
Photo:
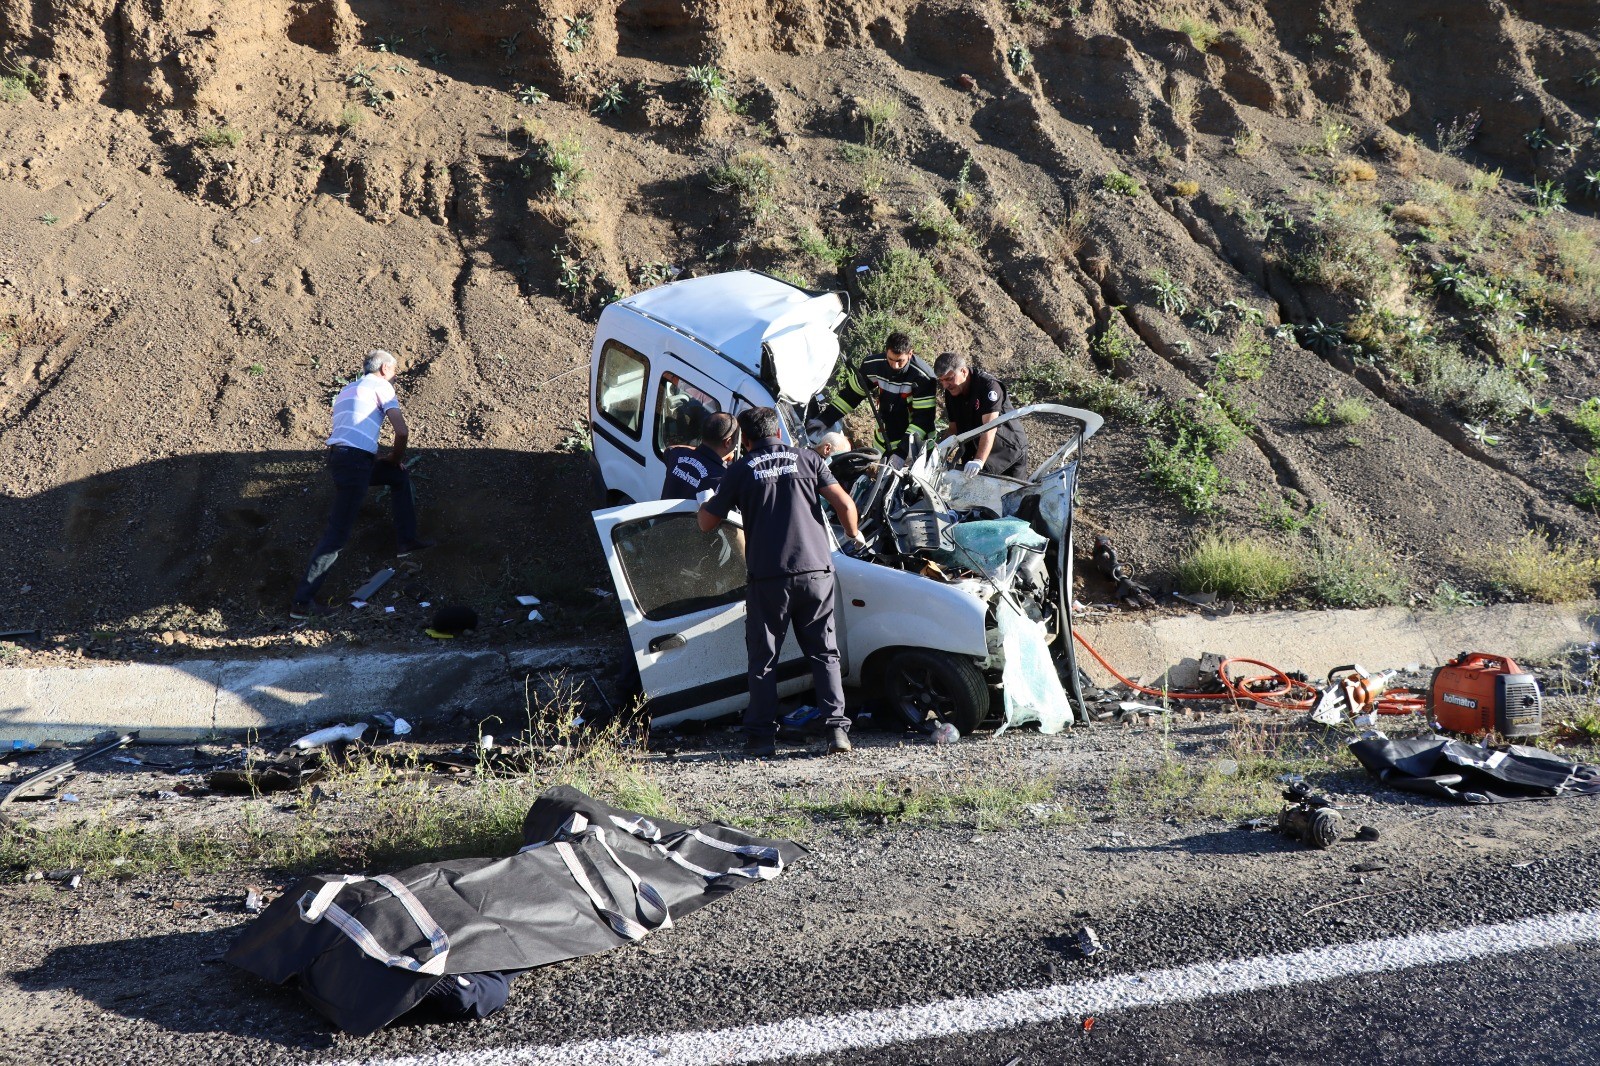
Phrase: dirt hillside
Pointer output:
(1330, 269)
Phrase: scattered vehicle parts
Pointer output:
(38, 783)
(373, 584)
(1088, 942)
(19, 634)
(284, 773)
(1308, 817)
(333, 734)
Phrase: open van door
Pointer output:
(682, 596)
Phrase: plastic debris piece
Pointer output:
(1088, 1024)
(18, 745)
(604, 594)
(535, 616)
(946, 734)
(486, 742)
(70, 877)
(1033, 691)
(129, 759)
(330, 735)
(424, 603)
(438, 635)
(1088, 942)
(529, 601)
(252, 900)
(374, 583)
(358, 604)
(69, 797)
(388, 610)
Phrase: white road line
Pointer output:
(861, 1030)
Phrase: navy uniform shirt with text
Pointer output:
(985, 395)
(691, 471)
(777, 489)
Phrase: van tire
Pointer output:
(917, 682)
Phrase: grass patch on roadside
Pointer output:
(1244, 568)
(1538, 568)
(1237, 781)
(1354, 573)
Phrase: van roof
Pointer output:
(733, 312)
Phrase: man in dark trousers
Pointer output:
(904, 392)
(694, 473)
(971, 399)
(778, 490)
(359, 412)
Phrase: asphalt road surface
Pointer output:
(1463, 936)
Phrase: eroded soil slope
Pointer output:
(1327, 265)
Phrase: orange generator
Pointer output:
(1480, 693)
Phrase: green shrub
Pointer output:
(1247, 360)
(1185, 469)
(936, 221)
(1202, 34)
(814, 243)
(1319, 414)
(1354, 573)
(904, 292)
(1058, 380)
(1351, 251)
(1121, 184)
(1242, 568)
(752, 179)
(1589, 495)
(12, 91)
(1351, 412)
(1537, 568)
(1587, 418)
(215, 137)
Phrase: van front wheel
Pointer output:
(927, 687)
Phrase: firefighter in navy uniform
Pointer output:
(694, 473)
(905, 392)
(972, 398)
(778, 490)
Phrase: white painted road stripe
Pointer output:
(860, 1030)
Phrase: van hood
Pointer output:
(799, 350)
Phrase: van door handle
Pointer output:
(670, 642)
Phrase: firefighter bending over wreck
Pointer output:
(905, 395)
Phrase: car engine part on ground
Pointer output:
(364, 951)
(1470, 773)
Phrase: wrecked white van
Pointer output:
(961, 576)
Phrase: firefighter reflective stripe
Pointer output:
(316, 907)
(848, 396)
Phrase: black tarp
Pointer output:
(1470, 773)
(592, 877)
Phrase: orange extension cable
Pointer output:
(1280, 697)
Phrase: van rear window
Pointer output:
(619, 387)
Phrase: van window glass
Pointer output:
(619, 387)
(681, 410)
(674, 569)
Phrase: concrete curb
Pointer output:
(201, 697)
(1318, 641)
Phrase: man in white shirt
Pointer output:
(359, 412)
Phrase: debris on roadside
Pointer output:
(1088, 943)
(37, 785)
(253, 901)
(333, 734)
(373, 584)
(70, 878)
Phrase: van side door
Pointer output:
(682, 596)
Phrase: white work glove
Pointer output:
(859, 541)
(973, 468)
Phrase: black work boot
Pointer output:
(760, 746)
(839, 740)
